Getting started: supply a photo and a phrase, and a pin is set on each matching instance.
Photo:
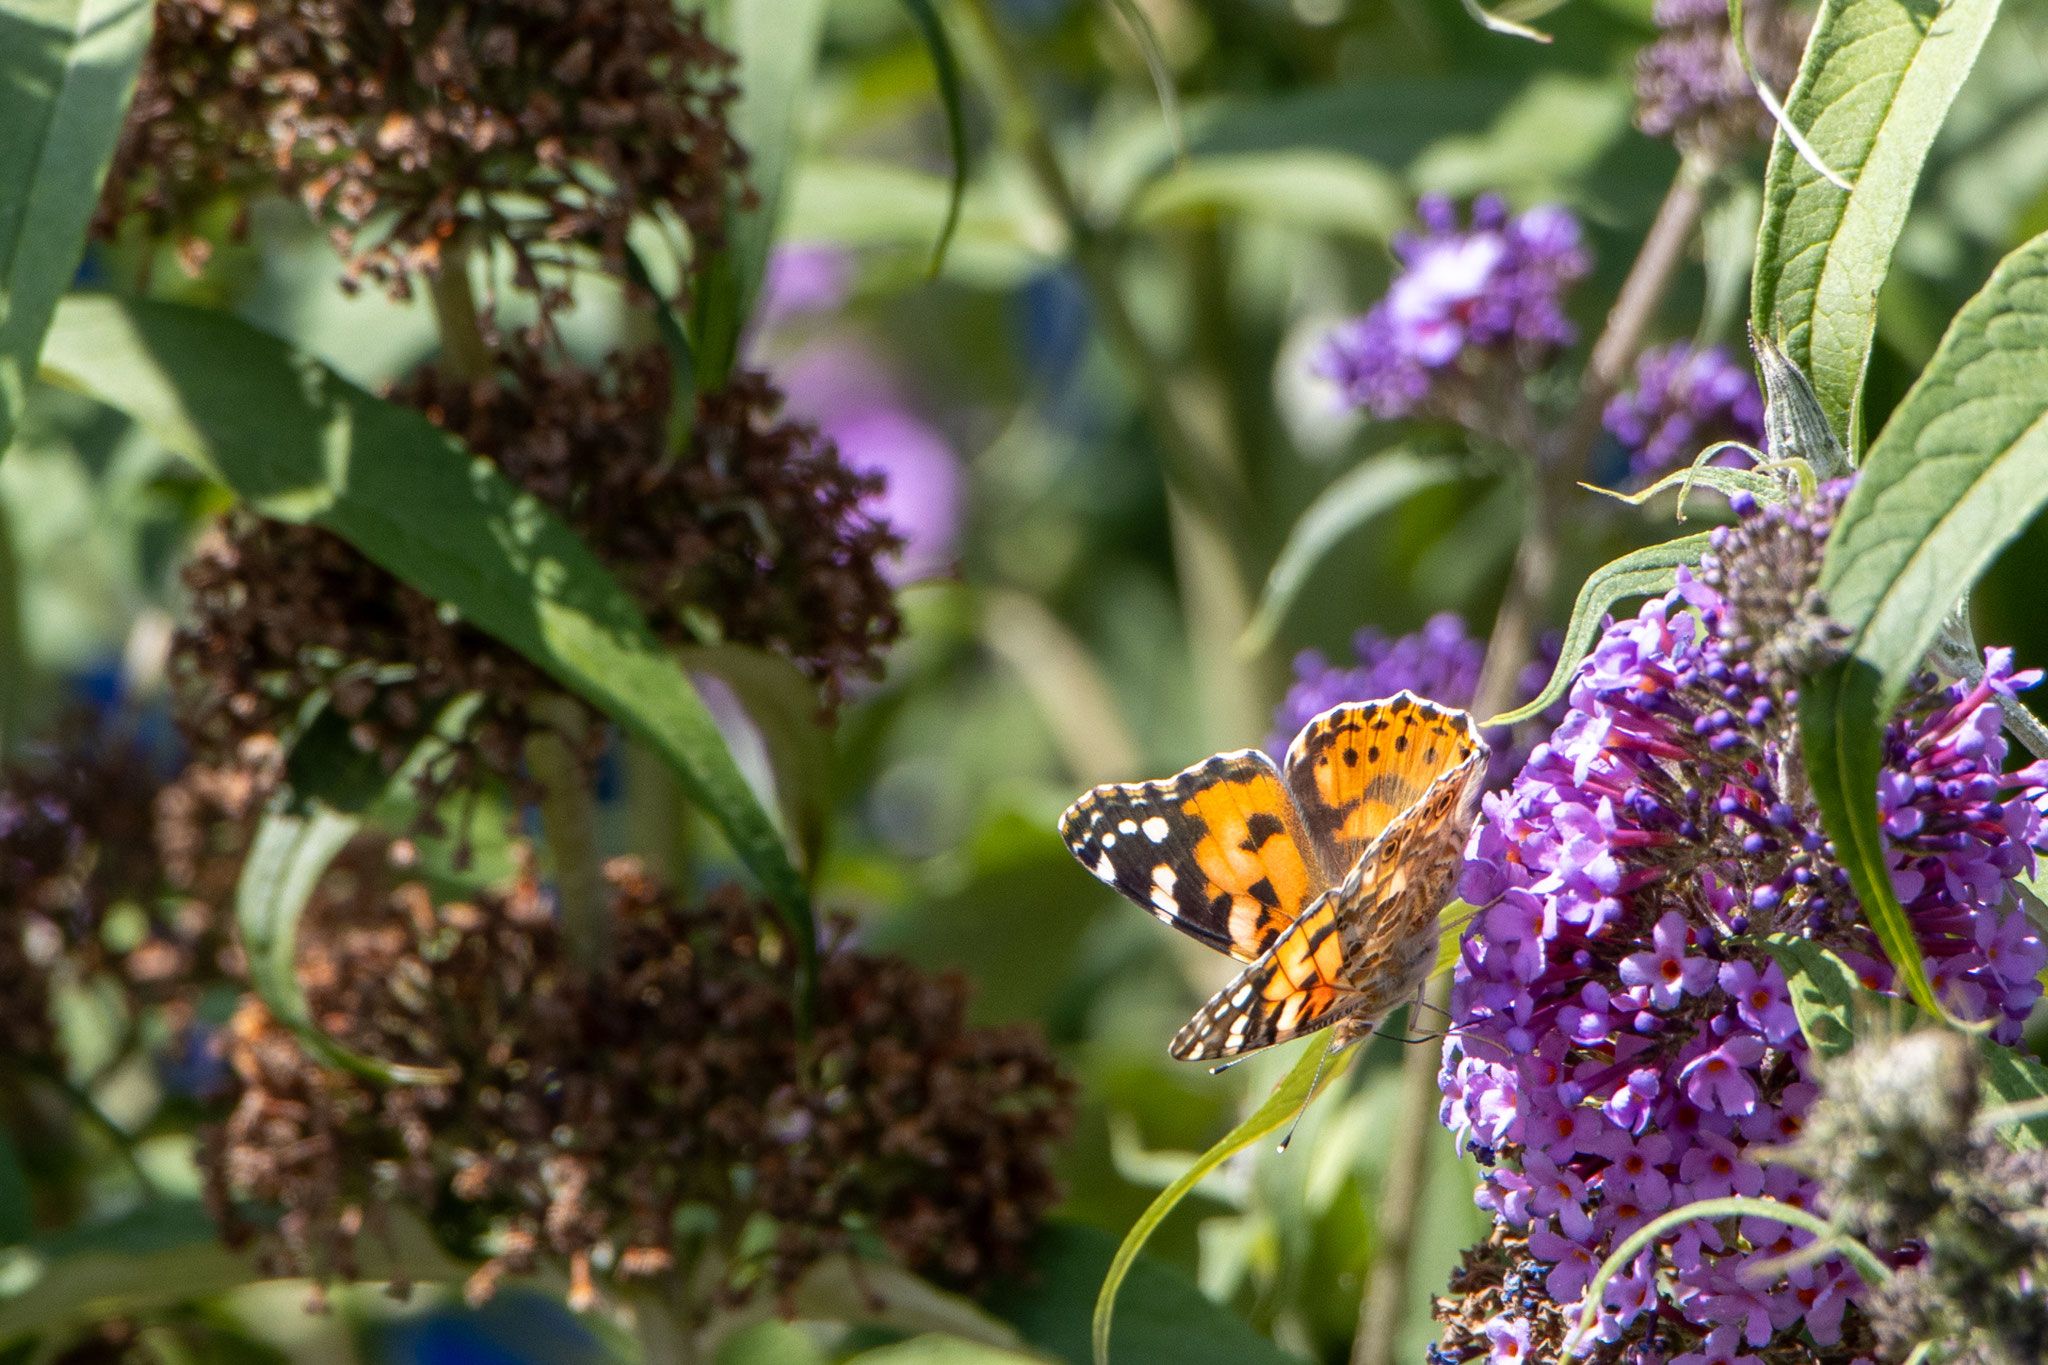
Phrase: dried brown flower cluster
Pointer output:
(662, 1116)
(759, 526)
(757, 533)
(280, 612)
(539, 123)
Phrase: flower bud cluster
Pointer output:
(1690, 85)
(1904, 1162)
(1684, 400)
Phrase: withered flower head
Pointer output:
(756, 532)
(663, 1115)
(401, 123)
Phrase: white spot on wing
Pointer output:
(1127, 827)
(1156, 830)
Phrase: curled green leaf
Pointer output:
(1382, 483)
(1641, 573)
(946, 73)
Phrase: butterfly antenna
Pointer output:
(1313, 1081)
(1222, 1067)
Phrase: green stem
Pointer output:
(87, 1108)
(568, 819)
(1635, 308)
(464, 354)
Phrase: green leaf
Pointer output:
(1647, 572)
(682, 358)
(946, 72)
(1841, 727)
(1311, 188)
(298, 442)
(1140, 24)
(1287, 1100)
(1876, 83)
(1720, 478)
(776, 42)
(784, 707)
(1833, 1005)
(1164, 1315)
(1379, 485)
(286, 860)
(1867, 1265)
(1823, 990)
(935, 1349)
(1958, 472)
(67, 71)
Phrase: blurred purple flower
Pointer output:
(801, 278)
(848, 390)
(1440, 661)
(1683, 401)
(924, 491)
(1690, 85)
(1465, 299)
(1616, 1032)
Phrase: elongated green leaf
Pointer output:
(1640, 573)
(776, 42)
(682, 358)
(1379, 485)
(1959, 470)
(1720, 478)
(1841, 727)
(1323, 191)
(1280, 1107)
(946, 72)
(935, 1349)
(1872, 92)
(1833, 1006)
(299, 443)
(1140, 25)
(17, 1207)
(783, 706)
(67, 70)
(1867, 1265)
(1823, 992)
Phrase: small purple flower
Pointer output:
(1466, 299)
(804, 277)
(1721, 1346)
(1720, 1079)
(1684, 401)
(1666, 970)
(924, 489)
(1510, 1339)
(1762, 1000)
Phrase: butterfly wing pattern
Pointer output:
(1219, 851)
(1325, 877)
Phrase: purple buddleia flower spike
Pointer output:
(1620, 1044)
(1469, 308)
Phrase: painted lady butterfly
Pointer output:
(1325, 875)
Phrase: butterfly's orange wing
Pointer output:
(1361, 949)
(1219, 851)
(1354, 768)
